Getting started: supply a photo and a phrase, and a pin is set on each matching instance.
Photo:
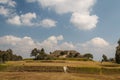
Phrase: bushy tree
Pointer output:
(117, 55)
(62, 53)
(104, 57)
(88, 56)
(34, 52)
(8, 56)
(40, 54)
(111, 59)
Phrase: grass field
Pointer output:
(54, 76)
(53, 70)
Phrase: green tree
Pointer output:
(62, 53)
(34, 52)
(8, 56)
(1, 56)
(42, 51)
(117, 55)
(88, 56)
(111, 59)
(42, 55)
(104, 57)
(77, 55)
(19, 58)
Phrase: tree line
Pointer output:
(9, 56)
(42, 55)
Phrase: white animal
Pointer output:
(65, 68)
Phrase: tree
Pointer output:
(117, 55)
(19, 58)
(34, 52)
(42, 55)
(88, 56)
(104, 58)
(62, 53)
(77, 55)
(39, 54)
(8, 56)
(42, 51)
(1, 56)
(111, 59)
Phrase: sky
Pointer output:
(87, 26)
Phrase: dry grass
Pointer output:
(53, 76)
(57, 63)
(81, 66)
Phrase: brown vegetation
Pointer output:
(54, 76)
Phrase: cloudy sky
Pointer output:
(88, 26)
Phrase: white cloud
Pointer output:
(16, 41)
(24, 19)
(9, 40)
(27, 18)
(9, 3)
(4, 11)
(48, 23)
(97, 42)
(84, 21)
(21, 46)
(80, 10)
(8, 10)
(66, 6)
(67, 46)
(14, 20)
(52, 42)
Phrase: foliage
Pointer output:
(117, 55)
(62, 53)
(104, 58)
(40, 54)
(34, 52)
(8, 56)
(74, 59)
(111, 60)
(88, 56)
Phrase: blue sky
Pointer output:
(83, 25)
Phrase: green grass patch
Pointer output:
(74, 59)
(88, 70)
(3, 67)
(110, 70)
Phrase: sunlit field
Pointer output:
(53, 70)
(55, 63)
(54, 76)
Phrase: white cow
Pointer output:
(65, 69)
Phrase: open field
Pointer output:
(55, 63)
(53, 69)
(54, 76)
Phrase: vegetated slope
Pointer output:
(86, 67)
